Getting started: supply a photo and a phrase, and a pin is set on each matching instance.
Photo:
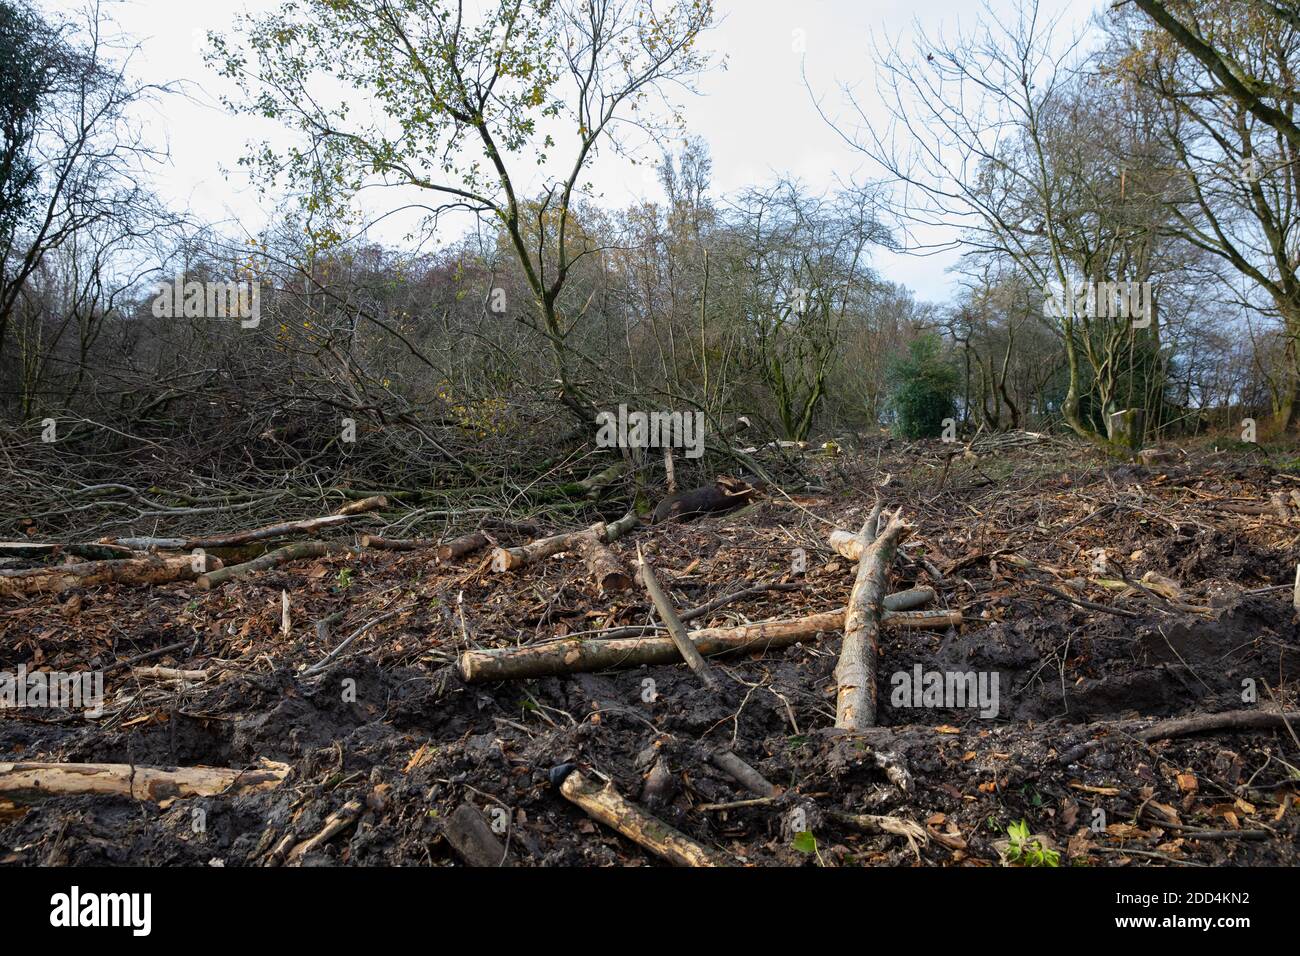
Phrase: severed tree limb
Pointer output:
(603, 803)
(335, 823)
(676, 629)
(589, 543)
(1182, 727)
(509, 559)
(855, 673)
(150, 569)
(290, 552)
(373, 503)
(342, 516)
(168, 673)
(396, 544)
(743, 773)
(27, 782)
(578, 656)
(604, 568)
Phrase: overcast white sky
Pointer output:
(756, 115)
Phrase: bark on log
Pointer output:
(676, 629)
(509, 559)
(1231, 720)
(855, 673)
(472, 839)
(335, 823)
(599, 561)
(603, 803)
(743, 773)
(373, 503)
(168, 673)
(151, 569)
(577, 656)
(51, 549)
(279, 530)
(593, 485)
(291, 552)
(604, 568)
(31, 781)
(395, 544)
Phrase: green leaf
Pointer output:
(805, 842)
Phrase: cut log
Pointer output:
(578, 656)
(605, 569)
(510, 559)
(676, 629)
(168, 673)
(32, 781)
(587, 542)
(855, 673)
(395, 544)
(291, 552)
(373, 503)
(150, 569)
(603, 803)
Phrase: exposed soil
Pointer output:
(392, 724)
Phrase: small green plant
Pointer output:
(805, 842)
(1023, 851)
(345, 578)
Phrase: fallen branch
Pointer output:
(743, 773)
(280, 530)
(855, 673)
(579, 656)
(168, 673)
(150, 569)
(1182, 727)
(335, 823)
(676, 629)
(290, 552)
(32, 781)
(395, 544)
(603, 803)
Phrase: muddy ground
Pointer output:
(391, 723)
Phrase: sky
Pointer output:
(757, 114)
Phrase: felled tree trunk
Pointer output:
(151, 569)
(855, 673)
(291, 552)
(28, 782)
(578, 656)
